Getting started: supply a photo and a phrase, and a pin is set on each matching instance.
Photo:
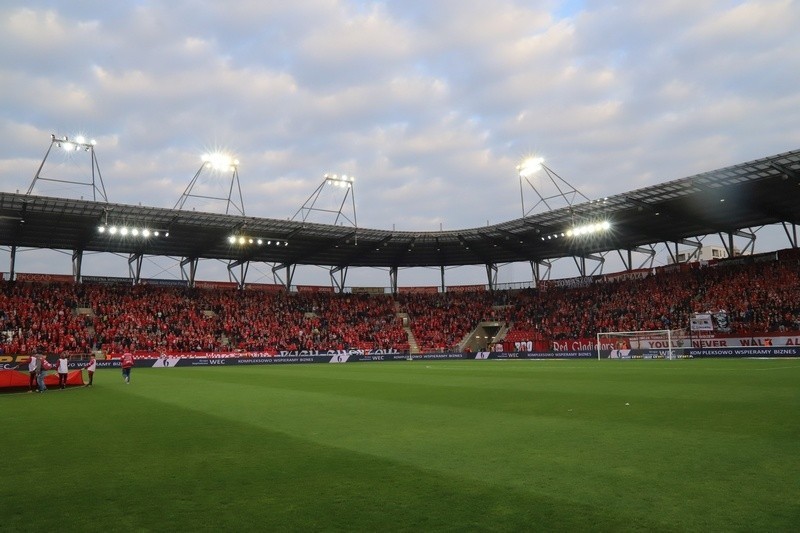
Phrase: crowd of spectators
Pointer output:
(759, 297)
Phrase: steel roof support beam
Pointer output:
(135, 267)
(788, 172)
(727, 242)
(192, 263)
(77, 263)
(491, 275)
(242, 265)
(338, 285)
(697, 245)
(649, 252)
(393, 280)
(290, 268)
(12, 262)
(792, 235)
(580, 262)
(536, 269)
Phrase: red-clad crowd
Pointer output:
(58, 317)
(759, 297)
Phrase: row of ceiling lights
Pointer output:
(241, 240)
(581, 231)
(125, 231)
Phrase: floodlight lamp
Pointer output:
(135, 232)
(156, 233)
(123, 231)
(93, 142)
(606, 225)
(260, 242)
(145, 233)
(80, 139)
(241, 240)
(166, 234)
(530, 166)
(101, 229)
(219, 161)
(250, 241)
(113, 230)
(232, 239)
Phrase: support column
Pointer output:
(77, 265)
(192, 263)
(243, 266)
(135, 267)
(393, 280)
(12, 262)
(491, 274)
(338, 285)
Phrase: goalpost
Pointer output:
(643, 344)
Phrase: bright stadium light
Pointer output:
(125, 231)
(247, 240)
(219, 161)
(588, 229)
(530, 166)
(343, 181)
(75, 145)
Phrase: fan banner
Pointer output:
(15, 379)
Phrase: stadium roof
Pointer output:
(748, 195)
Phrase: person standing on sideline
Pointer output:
(127, 364)
(63, 370)
(90, 367)
(42, 365)
(32, 382)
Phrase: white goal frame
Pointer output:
(670, 336)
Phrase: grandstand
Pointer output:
(760, 296)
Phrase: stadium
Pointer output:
(491, 266)
(481, 407)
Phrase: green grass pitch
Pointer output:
(696, 445)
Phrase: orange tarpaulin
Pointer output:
(17, 379)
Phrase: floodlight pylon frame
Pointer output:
(229, 200)
(306, 209)
(96, 174)
(566, 191)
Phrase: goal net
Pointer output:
(651, 344)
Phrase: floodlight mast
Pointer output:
(344, 182)
(79, 144)
(222, 163)
(563, 191)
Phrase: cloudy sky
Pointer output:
(429, 104)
